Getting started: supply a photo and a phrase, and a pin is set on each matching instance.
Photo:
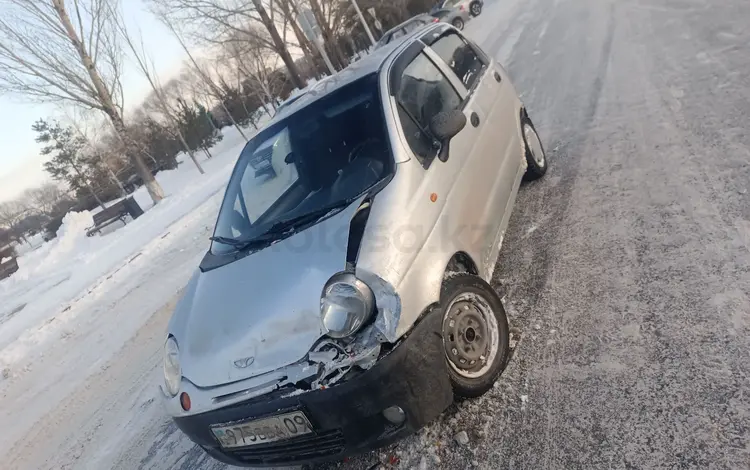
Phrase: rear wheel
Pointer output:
(458, 23)
(535, 156)
(476, 336)
(475, 9)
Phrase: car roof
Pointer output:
(369, 64)
(423, 16)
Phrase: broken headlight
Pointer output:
(346, 304)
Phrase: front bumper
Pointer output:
(347, 418)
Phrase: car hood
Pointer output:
(261, 312)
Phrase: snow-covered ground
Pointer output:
(76, 300)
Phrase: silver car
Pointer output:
(474, 7)
(344, 303)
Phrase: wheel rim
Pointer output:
(475, 9)
(534, 145)
(458, 24)
(470, 335)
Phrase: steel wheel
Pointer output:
(470, 335)
(458, 23)
(534, 145)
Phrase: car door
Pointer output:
(424, 89)
(486, 169)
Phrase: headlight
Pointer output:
(345, 305)
(172, 370)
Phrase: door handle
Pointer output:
(474, 119)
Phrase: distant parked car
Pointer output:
(473, 7)
(454, 16)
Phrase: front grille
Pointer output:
(311, 446)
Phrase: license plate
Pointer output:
(262, 431)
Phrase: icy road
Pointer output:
(627, 269)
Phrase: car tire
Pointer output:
(476, 335)
(458, 23)
(536, 158)
(475, 9)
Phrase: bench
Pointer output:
(117, 211)
(8, 268)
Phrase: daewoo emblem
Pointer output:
(244, 362)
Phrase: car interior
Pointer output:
(337, 151)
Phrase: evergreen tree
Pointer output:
(68, 163)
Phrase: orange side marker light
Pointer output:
(185, 401)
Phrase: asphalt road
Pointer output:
(626, 269)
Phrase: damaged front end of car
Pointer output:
(359, 314)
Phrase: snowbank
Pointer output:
(70, 243)
(36, 299)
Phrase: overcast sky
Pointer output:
(20, 162)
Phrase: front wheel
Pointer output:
(458, 23)
(535, 156)
(476, 336)
(475, 9)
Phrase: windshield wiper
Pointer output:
(293, 222)
(244, 244)
(280, 228)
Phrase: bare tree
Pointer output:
(204, 76)
(80, 120)
(45, 198)
(12, 214)
(214, 19)
(328, 33)
(52, 53)
(146, 67)
(253, 60)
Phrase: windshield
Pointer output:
(323, 155)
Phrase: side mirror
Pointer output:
(289, 159)
(444, 126)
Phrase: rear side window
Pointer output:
(461, 58)
(423, 92)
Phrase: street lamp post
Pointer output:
(364, 23)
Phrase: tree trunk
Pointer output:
(208, 80)
(290, 11)
(105, 98)
(88, 186)
(334, 51)
(231, 118)
(113, 177)
(208, 154)
(176, 125)
(190, 152)
(279, 45)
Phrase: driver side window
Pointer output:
(423, 92)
